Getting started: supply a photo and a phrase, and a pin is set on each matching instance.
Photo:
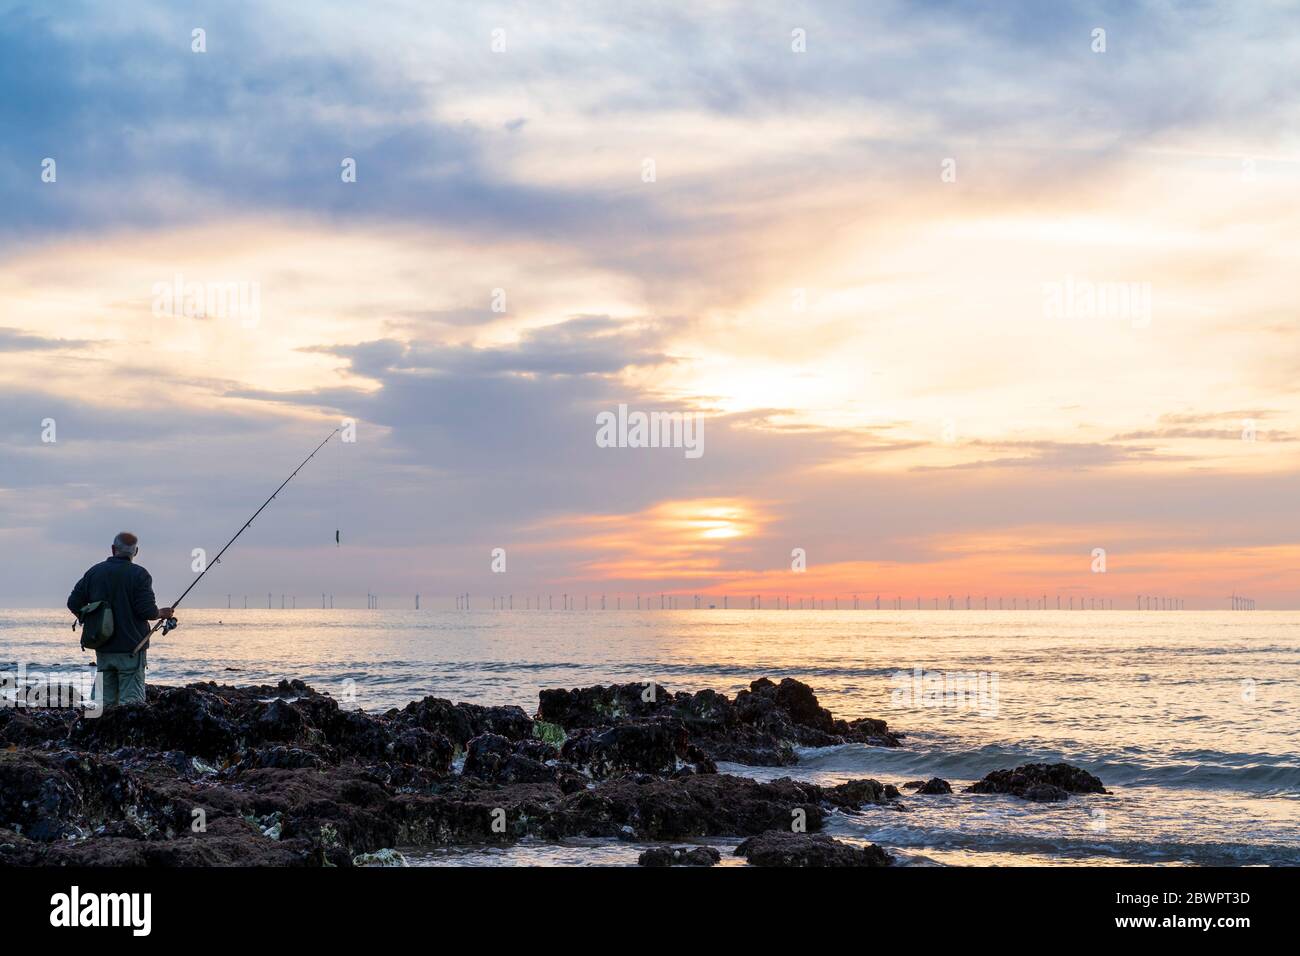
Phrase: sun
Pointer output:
(718, 522)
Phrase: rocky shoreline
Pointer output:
(211, 775)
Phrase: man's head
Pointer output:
(126, 545)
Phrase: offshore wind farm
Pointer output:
(673, 602)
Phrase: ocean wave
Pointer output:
(1206, 770)
(1211, 853)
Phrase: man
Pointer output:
(129, 589)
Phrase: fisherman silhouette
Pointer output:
(128, 589)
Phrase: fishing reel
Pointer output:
(170, 624)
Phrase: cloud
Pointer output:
(776, 172)
(1051, 455)
(589, 345)
(258, 123)
(1213, 434)
(252, 125)
(15, 340)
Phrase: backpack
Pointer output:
(97, 618)
(96, 625)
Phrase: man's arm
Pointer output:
(143, 602)
(79, 597)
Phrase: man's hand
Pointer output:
(164, 613)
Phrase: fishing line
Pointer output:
(170, 623)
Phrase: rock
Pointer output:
(697, 761)
(494, 758)
(761, 727)
(798, 701)
(600, 706)
(466, 810)
(1046, 781)
(485, 754)
(1045, 793)
(415, 745)
(384, 857)
(38, 797)
(773, 717)
(856, 793)
(280, 720)
(783, 848)
(183, 718)
(521, 769)
(271, 825)
(125, 828)
(212, 774)
(697, 805)
(459, 723)
(935, 785)
(537, 749)
(869, 730)
(48, 797)
(680, 856)
(651, 747)
(705, 705)
(30, 728)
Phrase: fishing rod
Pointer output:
(169, 623)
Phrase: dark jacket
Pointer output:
(133, 605)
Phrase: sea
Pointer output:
(1190, 718)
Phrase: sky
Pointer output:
(960, 293)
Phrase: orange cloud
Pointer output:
(672, 540)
